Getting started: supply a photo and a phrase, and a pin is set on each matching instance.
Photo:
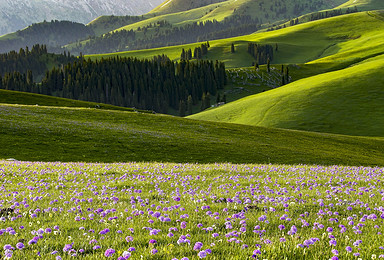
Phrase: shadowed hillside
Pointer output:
(92, 135)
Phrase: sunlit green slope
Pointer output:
(364, 4)
(348, 101)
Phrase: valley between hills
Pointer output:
(218, 129)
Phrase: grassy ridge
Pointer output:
(78, 134)
(345, 39)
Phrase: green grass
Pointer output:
(94, 135)
(174, 6)
(343, 40)
(364, 4)
(347, 101)
(24, 98)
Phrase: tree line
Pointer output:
(34, 59)
(263, 54)
(331, 13)
(156, 84)
(198, 52)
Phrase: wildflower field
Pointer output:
(190, 211)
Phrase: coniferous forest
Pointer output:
(35, 60)
(157, 84)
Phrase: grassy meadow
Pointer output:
(39, 133)
(190, 211)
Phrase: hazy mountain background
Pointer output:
(17, 14)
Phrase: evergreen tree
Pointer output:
(182, 108)
(189, 105)
(232, 48)
(224, 99)
(287, 75)
(203, 103)
(218, 98)
(208, 101)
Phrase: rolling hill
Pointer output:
(213, 21)
(54, 34)
(366, 5)
(339, 40)
(94, 135)
(347, 101)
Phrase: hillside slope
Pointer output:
(17, 14)
(175, 6)
(343, 39)
(364, 4)
(265, 11)
(70, 134)
(348, 102)
(214, 21)
(54, 34)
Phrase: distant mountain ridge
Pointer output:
(18, 14)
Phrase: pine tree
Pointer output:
(182, 108)
(208, 101)
(224, 99)
(189, 105)
(203, 102)
(218, 98)
(268, 65)
(287, 75)
(232, 48)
